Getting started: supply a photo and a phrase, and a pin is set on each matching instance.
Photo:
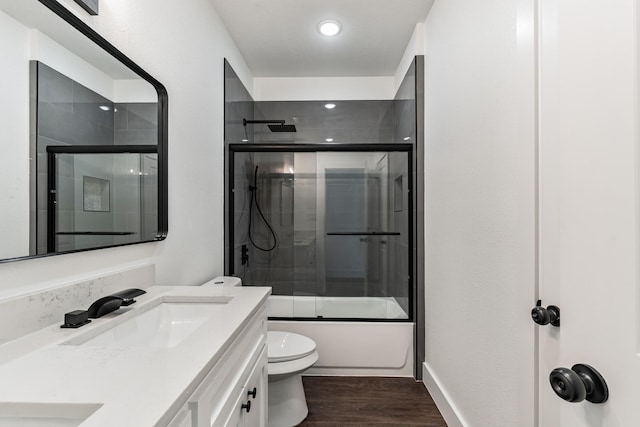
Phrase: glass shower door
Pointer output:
(340, 221)
(345, 242)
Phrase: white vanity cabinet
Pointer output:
(234, 392)
(202, 371)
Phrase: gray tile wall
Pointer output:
(70, 113)
(135, 123)
(238, 105)
(355, 122)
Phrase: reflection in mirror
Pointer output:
(99, 198)
(83, 137)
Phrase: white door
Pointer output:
(588, 257)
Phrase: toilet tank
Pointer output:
(224, 281)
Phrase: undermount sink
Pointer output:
(26, 414)
(163, 326)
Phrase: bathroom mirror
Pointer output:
(84, 138)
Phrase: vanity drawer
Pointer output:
(219, 390)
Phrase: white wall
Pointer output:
(61, 59)
(133, 91)
(14, 162)
(414, 47)
(183, 45)
(480, 221)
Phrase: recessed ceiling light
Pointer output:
(329, 139)
(329, 27)
(104, 108)
(245, 140)
(406, 138)
(330, 106)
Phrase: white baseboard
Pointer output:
(442, 399)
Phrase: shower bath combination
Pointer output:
(340, 271)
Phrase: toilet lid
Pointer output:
(284, 346)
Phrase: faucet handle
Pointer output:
(113, 302)
(103, 306)
(128, 295)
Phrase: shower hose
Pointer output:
(254, 200)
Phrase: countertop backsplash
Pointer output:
(28, 313)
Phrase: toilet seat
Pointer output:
(287, 346)
(279, 370)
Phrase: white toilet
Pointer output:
(289, 355)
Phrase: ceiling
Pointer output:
(279, 38)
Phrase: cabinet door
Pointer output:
(235, 418)
(256, 392)
(250, 406)
(216, 397)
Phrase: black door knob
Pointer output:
(246, 406)
(579, 383)
(545, 316)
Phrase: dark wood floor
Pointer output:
(369, 402)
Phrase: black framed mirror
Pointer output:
(84, 138)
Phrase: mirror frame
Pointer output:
(163, 114)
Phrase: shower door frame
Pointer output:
(311, 148)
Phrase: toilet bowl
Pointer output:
(289, 355)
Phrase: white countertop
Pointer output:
(137, 386)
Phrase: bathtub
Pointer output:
(349, 347)
(335, 307)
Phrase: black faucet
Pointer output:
(112, 302)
